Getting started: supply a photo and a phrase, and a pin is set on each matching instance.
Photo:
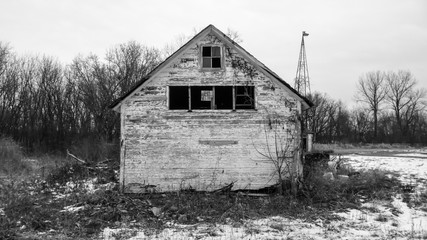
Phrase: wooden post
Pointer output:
(234, 98)
(189, 99)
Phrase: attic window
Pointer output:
(211, 57)
(211, 97)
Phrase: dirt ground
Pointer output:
(377, 220)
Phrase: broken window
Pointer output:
(206, 95)
(178, 97)
(201, 97)
(211, 57)
(245, 97)
(224, 97)
(211, 97)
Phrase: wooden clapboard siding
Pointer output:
(202, 149)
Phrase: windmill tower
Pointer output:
(302, 85)
(302, 79)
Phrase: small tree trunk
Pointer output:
(294, 187)
(280, 184)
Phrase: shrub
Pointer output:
(93, 150)
(68, 172)
(374, 184)
(368, 184)
(22, 208)
(76, 172)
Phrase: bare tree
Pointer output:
(342, 123)
(4, 55)
(322, 116)
(178, 42)
(129, 62)
(28, 101)
(9, 89)
(361, 124)
(234, 35)
(386, 126)
(282, 148)
(400, 89)
(181, 39)
(97, 83)
(413, 110)
(372, 90)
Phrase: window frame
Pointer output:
(201, 58)
(250, 94)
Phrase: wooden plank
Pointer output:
(218, 142)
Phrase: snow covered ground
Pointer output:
(383, 220)
(410, 165)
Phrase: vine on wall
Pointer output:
(239, 64)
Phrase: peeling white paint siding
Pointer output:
(202, 149)
(122, 147)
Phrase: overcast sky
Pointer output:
(347, 38)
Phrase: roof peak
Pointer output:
(227, 40)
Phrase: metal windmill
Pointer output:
(302, 79)
(302, 85)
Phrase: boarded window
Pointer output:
(211, 57)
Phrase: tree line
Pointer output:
(389, 109)
(48, 106)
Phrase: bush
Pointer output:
(368, 184)
(77, 172)
(94, 150)
(68, 172)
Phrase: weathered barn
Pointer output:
(209, 115)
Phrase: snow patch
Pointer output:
(410, 219)
(73, 208)
(418, 155)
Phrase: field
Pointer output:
(403, 216)
(385, 198)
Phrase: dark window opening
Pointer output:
(224, 97)
(216, 62)
(207, 51)
(201, 97)
(245, 97)
(211, 57)
(211, 97)
(178, 97)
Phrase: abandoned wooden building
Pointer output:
(211, 114)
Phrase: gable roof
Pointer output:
(230, 43)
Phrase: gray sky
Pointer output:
(347, 38)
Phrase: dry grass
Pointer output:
(374, 184)
(11, 158)
(346, 148)
(40, 203)
(37, 206)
